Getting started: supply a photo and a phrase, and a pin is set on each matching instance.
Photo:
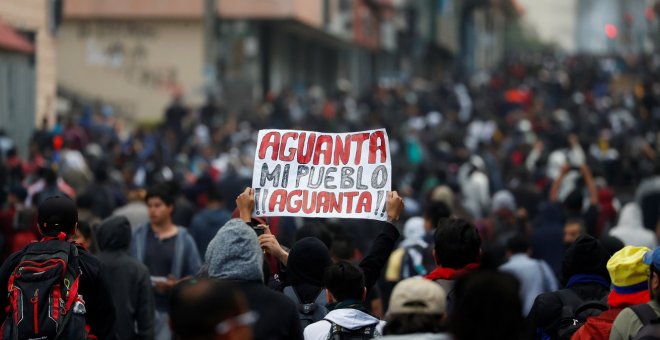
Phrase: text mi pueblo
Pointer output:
(317, 173)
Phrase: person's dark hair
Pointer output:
(345, 281)
(579, 221)
(161, 191)
(85, 201)
(487, 305)
(400, 324)
(343, 248)
(517, 244)
(317, 230)
(457, 243)
(50, 176)
(436, 212)
(653, 269)
(574, 201)
(612, 244)
(214, 195)
(198, 305)
(57, 214)
(100, 173)
(86, 231)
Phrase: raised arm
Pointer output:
(554, 191)
(373, 263)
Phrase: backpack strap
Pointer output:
(569, 298)
(291, 293)
(645, 313)
(367, 330)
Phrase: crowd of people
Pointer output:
(527, 200)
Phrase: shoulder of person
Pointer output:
(318, 330)
(11, 262)
(545, 305)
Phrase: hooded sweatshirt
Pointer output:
(234, 254)
(348, 318)
(131, 285)
(584, 273)
(630, 228)
(307, 261)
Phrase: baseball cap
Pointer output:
(418, 296)
(57, 213)
(652, 257)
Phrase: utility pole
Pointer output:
(210, 72)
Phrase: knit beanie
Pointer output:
(585, 256)
(234, 253)
(307, 261)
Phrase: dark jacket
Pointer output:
(268, 302)
(547, 308)
(94, 287)
(372, 265)
(205, 225)
(584, 272)
(131, 288)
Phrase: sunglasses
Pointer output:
(245, 319)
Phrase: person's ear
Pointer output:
(364, 294)
(655, 281)
(329, 297)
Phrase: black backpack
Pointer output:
(650, 320)
(338, 332)
(44, 302)
(575, 312)
(309, 313)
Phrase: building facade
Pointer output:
(28, 78)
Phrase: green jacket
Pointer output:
(627, 324)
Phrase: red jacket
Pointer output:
(599, 327)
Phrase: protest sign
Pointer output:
(316, 174)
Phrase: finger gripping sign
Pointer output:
(316, 174)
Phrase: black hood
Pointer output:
(114, 233)
(307, 261)
(585, 256)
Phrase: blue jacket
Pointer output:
(186, 258)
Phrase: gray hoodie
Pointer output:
(234, 253)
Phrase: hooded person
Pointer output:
(585, 278)
(630, 228)
(131, 285)
(234, 255)
(413, 257)
(629, 287)
(475, 187)
(307, 261)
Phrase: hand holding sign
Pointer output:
(394, 206)
(245, 204)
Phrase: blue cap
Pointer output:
(652, 257)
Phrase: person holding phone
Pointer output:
(166, 249)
